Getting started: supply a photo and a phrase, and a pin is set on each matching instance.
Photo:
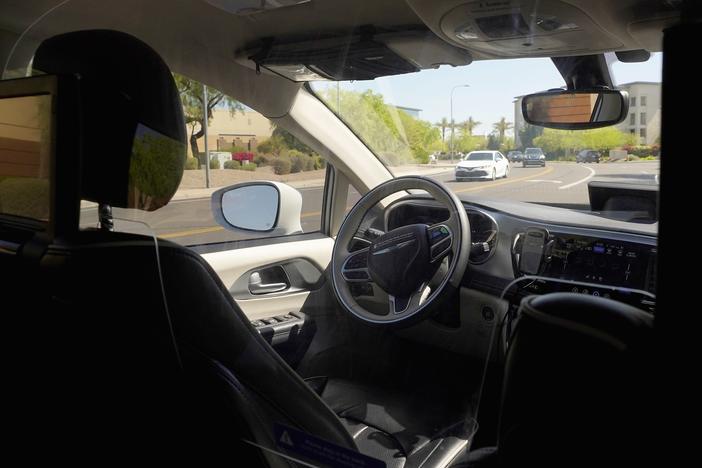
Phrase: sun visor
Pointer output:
(365, 54)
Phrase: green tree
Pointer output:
(565, 142)
(290, 141)
(443, 125)
(493, 142)
(192, 97)
(420, 135)
(467, 126)
(501, 127)
(528, 133)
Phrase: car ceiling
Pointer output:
(201, 38)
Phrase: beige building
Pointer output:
(243, 129)
(644, 119)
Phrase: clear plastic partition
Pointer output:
(410, 396)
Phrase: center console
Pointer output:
(547, 262)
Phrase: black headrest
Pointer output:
(133, 132)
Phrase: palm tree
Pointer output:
(501, 127)
(443, 125)
(469, 125)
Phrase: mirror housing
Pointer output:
(576, 109)
(270, 208)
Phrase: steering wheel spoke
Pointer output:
(400, 305)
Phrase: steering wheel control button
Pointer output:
(440, 239)
(356, 275)
(355, 261)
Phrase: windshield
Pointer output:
(424, 123)
(479, 157)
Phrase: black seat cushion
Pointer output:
(404, 429)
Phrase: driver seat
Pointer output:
(163, 347)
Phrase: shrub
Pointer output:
(263, 160)
(192, 163)
(309, 163)
(232, 164)
(247, 167)
(297, 164)
(319, 162)
(281, 166)
(214, 163)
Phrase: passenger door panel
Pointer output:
(302, 261)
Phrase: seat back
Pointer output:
(148, 343)
(575, 389)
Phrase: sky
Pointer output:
(492, 87)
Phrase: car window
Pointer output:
(243, 145)
(479, 157)
(24, 156)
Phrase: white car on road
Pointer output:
(482, 165)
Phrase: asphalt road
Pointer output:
(191, 222)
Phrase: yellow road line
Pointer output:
(194, 232)
(548, 170)
(191, 232)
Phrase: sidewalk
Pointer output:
(193, 193)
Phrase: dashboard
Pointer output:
(513, 256)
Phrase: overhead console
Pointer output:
(525, 28)
(560, 261)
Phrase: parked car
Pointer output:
(534, 157)
(515, 156)
(588, 156)
(482, 165)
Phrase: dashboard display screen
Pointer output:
(602, 261)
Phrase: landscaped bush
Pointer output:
(232, 164)
(281, 166)
(297, 161)
(247, 167)
(263, 160)
(319, 162)
(309, 163)
(643, 151)
(192, 163)
(214, 163)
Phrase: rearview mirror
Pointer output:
(266, 207)
(576, 110)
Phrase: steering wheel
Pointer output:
(402, 262)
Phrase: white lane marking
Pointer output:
(592, 174)
(644, 172)
(544, 180)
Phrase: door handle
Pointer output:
(257, 286)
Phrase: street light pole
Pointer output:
(453, 126)
(204, 121)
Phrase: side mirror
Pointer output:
(270, 208)
(576, 110)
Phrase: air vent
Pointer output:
(483, 236)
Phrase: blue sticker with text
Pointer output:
(321, 451)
